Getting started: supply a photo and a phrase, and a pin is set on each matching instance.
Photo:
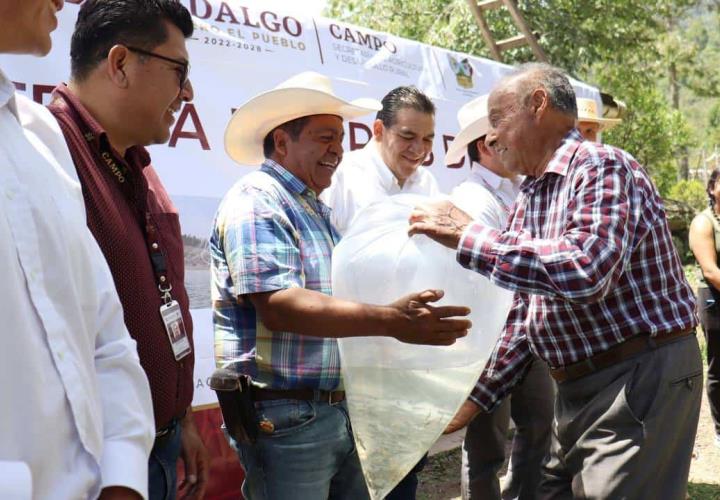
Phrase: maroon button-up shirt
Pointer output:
(126, 218)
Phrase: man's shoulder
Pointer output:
(43, 130)
(597, 153)
(256, 189)
(594, 160)
(353, 164)
(475, 199)
(261, 183)
(33, 115)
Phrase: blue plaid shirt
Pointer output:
(271, 233)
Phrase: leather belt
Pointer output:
(330, 397)
(617, 353)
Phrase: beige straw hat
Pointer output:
(587, 112)
(474, 123)
(305, 94)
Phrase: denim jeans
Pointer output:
(306, 453)
(163, 463)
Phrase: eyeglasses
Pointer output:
(183, 64)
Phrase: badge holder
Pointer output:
(174, 325)
(170, 311)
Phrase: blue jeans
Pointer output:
(163, 462)
(307, 453)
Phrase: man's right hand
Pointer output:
(421, 323)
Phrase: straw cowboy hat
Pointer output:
(305, 94)
(587, 112)
(473, 120)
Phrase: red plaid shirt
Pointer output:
(588, 252)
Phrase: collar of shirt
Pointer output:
(135, 155)
(387, 178)
(7, 94)
(560, 161)
(506, 188)
(293, 184)
(495, 181)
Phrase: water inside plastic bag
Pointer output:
(402, 396)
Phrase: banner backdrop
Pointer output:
(239, 49)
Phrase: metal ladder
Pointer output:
(525, 36)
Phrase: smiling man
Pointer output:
(589, 253)
(274, 315)
(129, 76)
(390, 163)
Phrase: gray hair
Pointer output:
(552, 79)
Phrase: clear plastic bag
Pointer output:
(402, 396)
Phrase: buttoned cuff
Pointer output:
(474, 250)
(125, 464)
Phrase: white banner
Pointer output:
(241, 48)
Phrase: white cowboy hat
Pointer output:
(473, 120)
(587, 112)
(305, 94)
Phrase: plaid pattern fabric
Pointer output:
(271, 233)
(590, 249)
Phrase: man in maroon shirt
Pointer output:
(129, 76)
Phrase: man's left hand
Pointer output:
(195, 458)
(440, 220)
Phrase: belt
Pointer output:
(163, 435)
(617, 353)
(330, 397)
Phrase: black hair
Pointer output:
(102, 24)
(711, 185)
(401, 98)
(293, 128)
(472, 149)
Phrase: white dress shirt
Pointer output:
(76, 403)
(486, 196)
(363, 178)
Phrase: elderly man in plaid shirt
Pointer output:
(589, 254)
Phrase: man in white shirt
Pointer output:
(488, 195)
(76, 403)
(391, 163)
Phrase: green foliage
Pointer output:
(703, 491)
(652, 131)
(691, 192)
(625, 47)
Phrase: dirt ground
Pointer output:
(441, 478)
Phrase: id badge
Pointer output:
(175, 328)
